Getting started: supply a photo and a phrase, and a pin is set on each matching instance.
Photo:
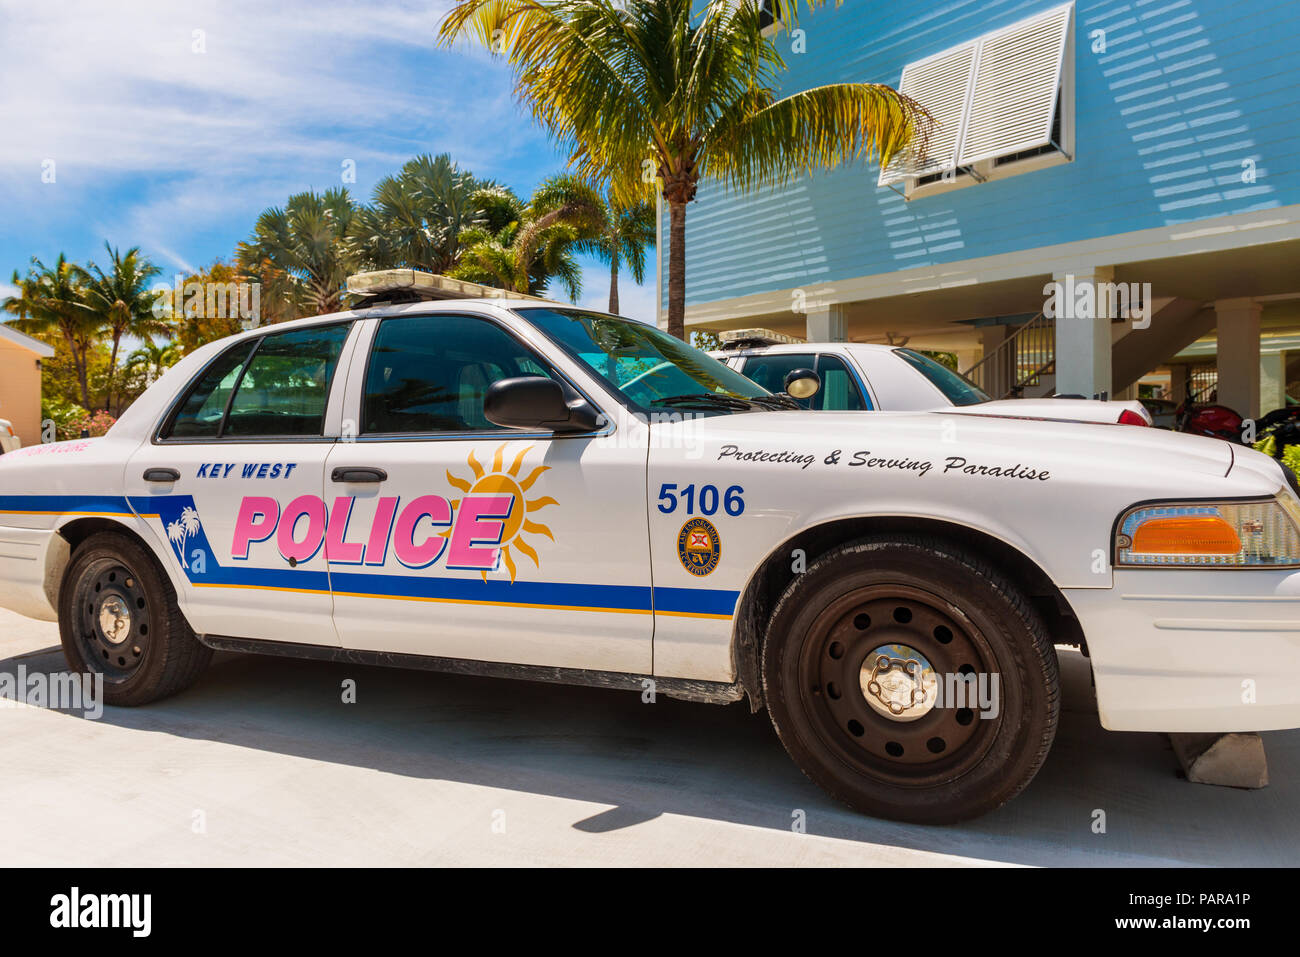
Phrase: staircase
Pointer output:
(1175, 325)
(1024, 364)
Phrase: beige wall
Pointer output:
(20, 391)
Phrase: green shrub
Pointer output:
(66, 416)
(1290, 455)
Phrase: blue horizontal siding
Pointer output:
(1186, 91)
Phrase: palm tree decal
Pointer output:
(182, 528)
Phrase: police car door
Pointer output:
(231, 484)
(468, 540)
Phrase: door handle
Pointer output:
(162, 475)
(355, 474)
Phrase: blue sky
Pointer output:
(157, 144)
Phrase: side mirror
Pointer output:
(802, 383)
(538, 403)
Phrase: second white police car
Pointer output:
(519, 488)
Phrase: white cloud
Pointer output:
(175, 259)
(280, 96)
(161, 86)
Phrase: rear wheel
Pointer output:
(911, 680)
(118, 617)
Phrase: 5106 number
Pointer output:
(707, 498)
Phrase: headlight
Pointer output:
(1260, 534)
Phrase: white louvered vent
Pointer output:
(1017, 80)
(991, 97)
(941, 84)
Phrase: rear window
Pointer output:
(275, 387)
(958, 389)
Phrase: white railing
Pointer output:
(1019, 361)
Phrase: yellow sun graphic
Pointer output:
(507, 482)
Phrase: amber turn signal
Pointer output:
(1186, 535)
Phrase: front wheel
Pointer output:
(911, 680)
(118, 618)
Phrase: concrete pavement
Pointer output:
(263, 763)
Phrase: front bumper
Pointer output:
(1191, 650)
(25, 570)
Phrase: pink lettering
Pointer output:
(377, 546)
(258, 516)
(436, 508)
(311, 508)
(336, 549)
(480, 521)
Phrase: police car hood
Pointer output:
(1078, 446)
(1068, 410)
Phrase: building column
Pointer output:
(996, 375)
(1178, 378)
(826, 323)
(1272, 381)
(1083, 330)
(966, 358)
(1237, 331)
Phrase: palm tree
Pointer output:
(538, 245)
(416, 217)
(177, 533)
(620, 83)
(625, 233)
(152, 359)
(124, 303)
(52, 301)
(305, 240)
(180, 529)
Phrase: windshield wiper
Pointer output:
(707, 399)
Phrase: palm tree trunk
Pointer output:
(79, 363)
(112, 370)
(83, 380)
(677, 269)
(613, 285)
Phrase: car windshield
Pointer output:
(648, 367)
(956, 388)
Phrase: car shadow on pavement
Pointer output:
(715, 762)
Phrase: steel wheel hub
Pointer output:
(898, 682)
(113, 620)
(877, 671)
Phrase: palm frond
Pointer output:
(812, 130)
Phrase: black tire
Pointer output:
(834, 708)
(148, 650)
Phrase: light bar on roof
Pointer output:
(758, 336)
(425, 285)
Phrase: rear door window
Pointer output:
(276, 387)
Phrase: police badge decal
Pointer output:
(699, 547)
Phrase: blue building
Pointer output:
(1108, 182)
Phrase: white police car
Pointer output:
(863, 377)
(521, 488)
